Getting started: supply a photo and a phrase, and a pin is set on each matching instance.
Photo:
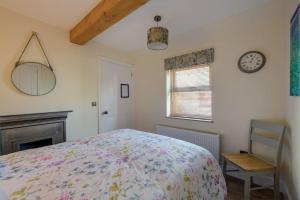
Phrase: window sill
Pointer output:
(192, 119)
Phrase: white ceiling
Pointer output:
(64, 14)
(179, 16)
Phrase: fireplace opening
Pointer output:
(36, 144)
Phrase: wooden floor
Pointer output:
(235, 189)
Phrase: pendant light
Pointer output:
(157, 36)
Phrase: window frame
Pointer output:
(169, 75)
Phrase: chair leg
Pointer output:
(247, 186)
(276, 186)
(224, 167)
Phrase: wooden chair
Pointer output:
(251, 165)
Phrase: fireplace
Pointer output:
(28, 131)
(35, 144)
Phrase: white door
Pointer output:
(115, 112)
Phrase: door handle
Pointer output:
(105, 112)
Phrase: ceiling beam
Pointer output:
(103, 16)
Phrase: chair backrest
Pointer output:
(276, 142)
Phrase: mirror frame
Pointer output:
(22, 63)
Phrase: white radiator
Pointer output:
(209, 141)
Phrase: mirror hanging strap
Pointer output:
(34, 34)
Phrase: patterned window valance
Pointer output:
(196, 58)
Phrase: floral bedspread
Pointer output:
(122, 164)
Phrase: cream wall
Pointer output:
(76, 69)
(237, 97)
(292, 156)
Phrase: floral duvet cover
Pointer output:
(118, 165)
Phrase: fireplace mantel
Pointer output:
(18, 130)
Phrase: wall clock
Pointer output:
(251, 61)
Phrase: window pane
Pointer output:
(189, 93)
(192, 77)
(196, 104)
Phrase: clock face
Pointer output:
(251, 62)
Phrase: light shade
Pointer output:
(158, 38)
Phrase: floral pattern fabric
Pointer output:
(118, 165)
(191, 59)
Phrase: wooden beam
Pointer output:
(103, 16)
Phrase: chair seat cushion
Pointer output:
(248, 162)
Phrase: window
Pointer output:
(189, 93)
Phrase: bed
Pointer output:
(122, 164)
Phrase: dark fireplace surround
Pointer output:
(27, 131)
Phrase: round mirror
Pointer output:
(34, 79)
